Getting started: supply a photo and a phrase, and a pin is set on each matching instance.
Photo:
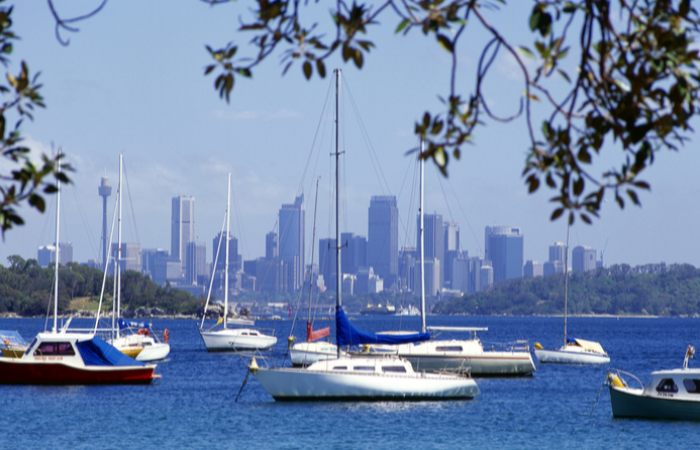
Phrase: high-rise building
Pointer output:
(291, 242)
(583, 259)
(557, 252)
(105, 190)
(47, 254)
(129, 259)
(182, 230)
(434, 237)
(451, 236)
(271, 246)
(504, 248)
(327, 262)
(148, 260)
(407, 263)
(354, 253)
(196, 261)
(383, 238)
(466, 274)
(533, 269)
(432, 277)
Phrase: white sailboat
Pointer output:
(231, 339)
(574, 351)
(139, 341)
(459, 355)
(358, 378)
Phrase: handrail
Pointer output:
(619, 372)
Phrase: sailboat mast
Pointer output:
(566, 278)
(338, 276)
(119, 245)
(311, 275)
(422, 245)
(58, 246)
(228, 221)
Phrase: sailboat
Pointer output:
(231, 339)
(459, 355)
(59, 357)
(574, 351)
(359, 378)
(137, 340)
(311, 351)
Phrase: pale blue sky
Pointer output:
(132, 81)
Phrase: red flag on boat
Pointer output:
(290, 310)
(312, 335)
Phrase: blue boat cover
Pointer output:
(570, 340)
(132, 324)
(96, 352)
(349, 334)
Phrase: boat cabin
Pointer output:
(680, 384)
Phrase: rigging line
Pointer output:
(50, 212)
(444, 196)
(368, 143)
(131, 206)
(238, 220)
(469, 225)
(81, 210)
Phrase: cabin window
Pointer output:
(54, 348)
(244, 334)
(667, 385)
(394, 369)
(692, 385)
(370, 368)
(340, 368)
(253, 334)
(449, 349)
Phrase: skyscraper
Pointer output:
(504, 248)
(271, 246)
(196, 261)
(354, 253)
(583, 259)
(557, 254)
(182, 230)
(291, 244)
(327, 262)
(383, 238)
(105, 190)
(434, 237)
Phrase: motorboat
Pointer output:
(13, 343)
(231, 339)
(410, 311)
(307, 353)
(61, 358)
(360, 378)
(671, 394)
(352, 378)
(576, 351)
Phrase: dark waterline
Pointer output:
(193, 406)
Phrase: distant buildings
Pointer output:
(557, 256)
(434, 238)
(292, 243)
(383, 238)
(47, 254)
(504, 248)
(532, 269)
(583, 259)
(182, 229)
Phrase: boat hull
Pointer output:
(569, 357)
(154, 352)
(16, 371)
(494, 364)
(290, 384)
(233, 340)
(636, 405)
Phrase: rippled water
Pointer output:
(193, 405)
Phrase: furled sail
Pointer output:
(349, 334)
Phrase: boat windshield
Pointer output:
(55, 348)
(691, 385)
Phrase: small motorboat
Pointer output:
(671, 394)
(576, 351)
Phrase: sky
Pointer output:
(132, 81)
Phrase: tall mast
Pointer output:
(566, 277)
(58, 246)
(228, 220)
(338, 276)
(422, 245)
(119, 244)
(311, 275)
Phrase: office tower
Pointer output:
(105, 190)
(47, 254)
(383, 238)
(327, 262)
(354, 253)
(557, 254)
(466, 274)
(432, 277)
(504, 248)
(434, 237)
(234, 259)
(130, 258)
(533, 269)
(148, 260)
(407, 263)
(583, 259)
(451, 236)
(486, 276)
(196, 261)
(291, 242)
(271, 246)
(182, 230)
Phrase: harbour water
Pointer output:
(193, 404)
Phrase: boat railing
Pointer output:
(619, 374)
(512, 347)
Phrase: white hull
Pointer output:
(307, 353)
(567, 356)
(322, 382)
(141, 347)
(237, 339)
(154, 352)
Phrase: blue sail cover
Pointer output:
(96, 352)
(132, 324)
(349, 334)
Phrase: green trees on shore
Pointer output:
(618, 290)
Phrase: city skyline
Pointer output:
(184, 139)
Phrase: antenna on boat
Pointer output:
(228, 220)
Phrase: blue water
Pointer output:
(193, 405)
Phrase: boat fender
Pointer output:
(538, 346)
(7, 343)
(290, 341)
(166, 335)
(253, 366)
(616, 381)
(143, 331)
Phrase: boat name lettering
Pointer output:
(665, 394)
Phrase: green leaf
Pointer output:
(564, 75)
(446, 43)
(321, 68)
(307, 69)
(556, 214)
(526, 51)
(208, 70)
(244, 72)
(578, 186)
(404, 23)
(633, 196)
